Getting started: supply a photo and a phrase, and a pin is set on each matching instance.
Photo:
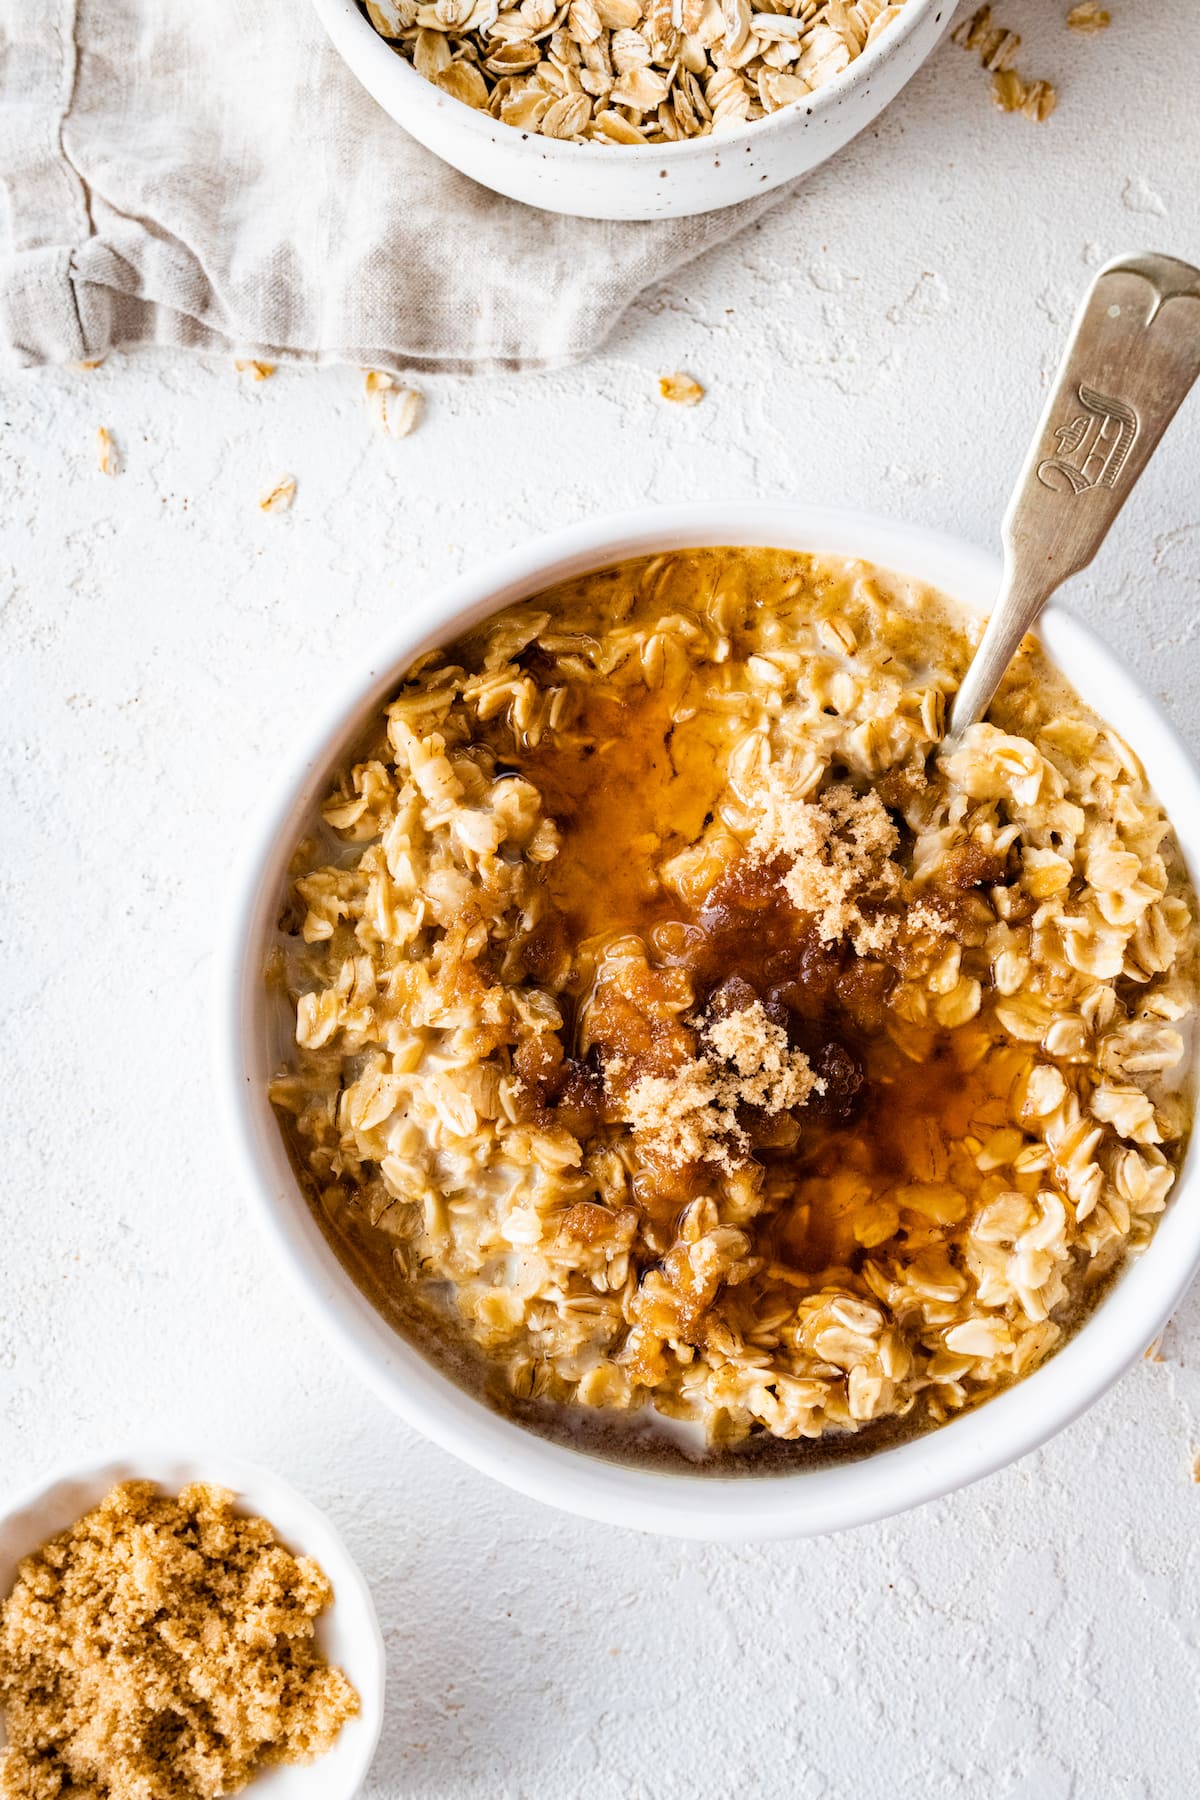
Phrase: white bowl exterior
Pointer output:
(600, 181)
(706, 1507)
(347, 1632)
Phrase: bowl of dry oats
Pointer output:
(685, 1086)
(634, 109)
(179, 1629)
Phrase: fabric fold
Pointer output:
(213, 178)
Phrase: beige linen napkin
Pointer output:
(207, 173)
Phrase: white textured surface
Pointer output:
(882, 336)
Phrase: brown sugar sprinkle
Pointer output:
(691, 1116)
(839, 848)
(163, 1649)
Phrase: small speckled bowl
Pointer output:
(347, 1632)
(634, 181)
(712, 1505)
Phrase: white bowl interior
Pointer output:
(347, 1632)
(703, 1506)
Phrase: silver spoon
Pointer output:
(1132, 356)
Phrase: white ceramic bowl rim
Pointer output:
(710, 1507)
(347, 1632)
(472, 122)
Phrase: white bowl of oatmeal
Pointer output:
(604, 110)
(169, 1514)
(777, 1129)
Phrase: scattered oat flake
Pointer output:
(1089, 17)
(280, 497)
(995, 43)
(1041, 98)
(257, 371)
(1196, 1466)
(996, 47)
(1153, 1352)
(396, 407)
(85, 366)
(107, 460)
(1035, 99)
(683, 390)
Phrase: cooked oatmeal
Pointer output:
(680, 1025)
(162, 1649)
(630, 71)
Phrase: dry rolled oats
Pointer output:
(279, 498)
(630, 71)
(995, 44)
(108, 459)
(683, 390)
(1089, 17)
(397, 409)
(1012, 93)
(996, 47)
(668, 997)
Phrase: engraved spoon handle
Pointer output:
(1133, 354)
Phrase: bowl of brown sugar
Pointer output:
(684, 1084)
(177, 1630)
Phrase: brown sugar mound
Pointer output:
(163, 1649)
(840, 849)
(692, 1115)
